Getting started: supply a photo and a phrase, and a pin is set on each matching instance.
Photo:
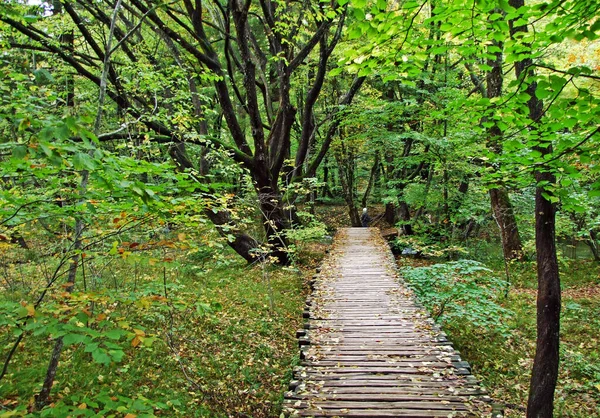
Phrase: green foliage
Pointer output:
(211, 346)
(503, 362)
(461, 291)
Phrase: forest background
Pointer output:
(172, 170)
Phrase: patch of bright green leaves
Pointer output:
(459, 291)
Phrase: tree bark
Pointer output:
(390, 213)
(593, 244)
(347, 182)
(372, 178)
(404, 215)
(505, 219)
(42, 397)
(545, 366)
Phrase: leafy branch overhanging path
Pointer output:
(370, 350)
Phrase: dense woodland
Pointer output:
(171, 170)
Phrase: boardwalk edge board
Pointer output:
(368, 348)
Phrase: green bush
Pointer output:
(460, 291)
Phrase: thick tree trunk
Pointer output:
(275, 224)
(505, 218)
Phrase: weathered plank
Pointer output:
(370, 350)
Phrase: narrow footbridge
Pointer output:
(370, 350)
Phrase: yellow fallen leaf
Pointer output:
(136, 341)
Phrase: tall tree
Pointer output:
(545, 366)
(249, 51)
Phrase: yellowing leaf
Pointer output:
(136, 341)
(82, 406)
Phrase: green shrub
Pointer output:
(460, 291)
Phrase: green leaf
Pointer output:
(117, 355)
(83, 161)
(71, 339)
(100, 356)
(19, 152)
(114, 334)
(71, 124)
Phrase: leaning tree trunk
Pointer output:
(505, 218)
(593, 244)
(501, 206)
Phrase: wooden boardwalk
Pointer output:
(370, 350)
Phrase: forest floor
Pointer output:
(200, 335)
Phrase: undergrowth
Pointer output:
(496, 334)
(164, 332)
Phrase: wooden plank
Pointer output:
(390, 388)
(443, 405)
(406, 413)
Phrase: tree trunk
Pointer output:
(545, 365)
(41, 398)
(390, 213)
(505, 218)
(241, 243)
(346, 180)
(502, 209)
(326, 188)
(593, 244)
(275, 224)
(404, 214)
(372, 178)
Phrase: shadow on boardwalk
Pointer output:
(370, 350)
